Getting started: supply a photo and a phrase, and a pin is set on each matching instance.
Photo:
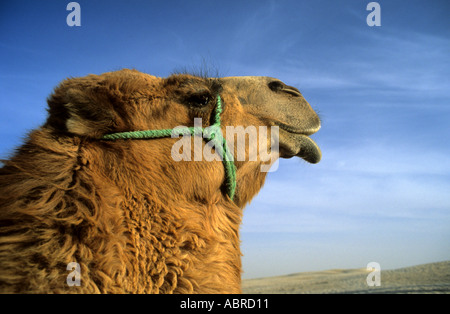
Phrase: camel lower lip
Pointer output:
(309, 151)
(299, 145)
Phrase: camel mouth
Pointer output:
(298, 145)
(295, 130)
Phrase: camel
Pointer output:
(83, 214)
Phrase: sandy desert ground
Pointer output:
(426, 278)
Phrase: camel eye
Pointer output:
(198, 100)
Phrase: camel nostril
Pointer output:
(292, 90)
(276, 86)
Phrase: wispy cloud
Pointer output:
(385, 60)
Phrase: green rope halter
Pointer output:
(212, 133)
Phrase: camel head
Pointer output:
(274, 103)
(129, 100)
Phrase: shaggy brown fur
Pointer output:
(135, 220)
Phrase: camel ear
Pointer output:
(89, 113)
(81, 108)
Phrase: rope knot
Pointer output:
(211, 132)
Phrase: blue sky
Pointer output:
(381, 191)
